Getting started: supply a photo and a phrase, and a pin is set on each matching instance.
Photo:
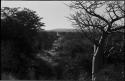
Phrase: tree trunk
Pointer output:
(98, 60)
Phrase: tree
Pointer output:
(99, 24)
(20, 24)
(19, 27)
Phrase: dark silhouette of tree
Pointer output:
(88, 18)
(19, 27)
(20, 24)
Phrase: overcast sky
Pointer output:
(54, 13)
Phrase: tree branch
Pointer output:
(117, 18)
(118, 28)
(94, 14)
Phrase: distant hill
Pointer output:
(62, 30)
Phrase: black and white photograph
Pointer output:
(62, 40)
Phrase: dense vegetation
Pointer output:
(23, 39)
(74, 52)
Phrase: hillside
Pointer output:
(62, 30)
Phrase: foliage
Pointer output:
(74, 54)
(19, 28)
(115, 55)
(20, 25)
(23, 38)
(46, 39)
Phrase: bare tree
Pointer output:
(105, 17)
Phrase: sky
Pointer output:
(54, 13)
